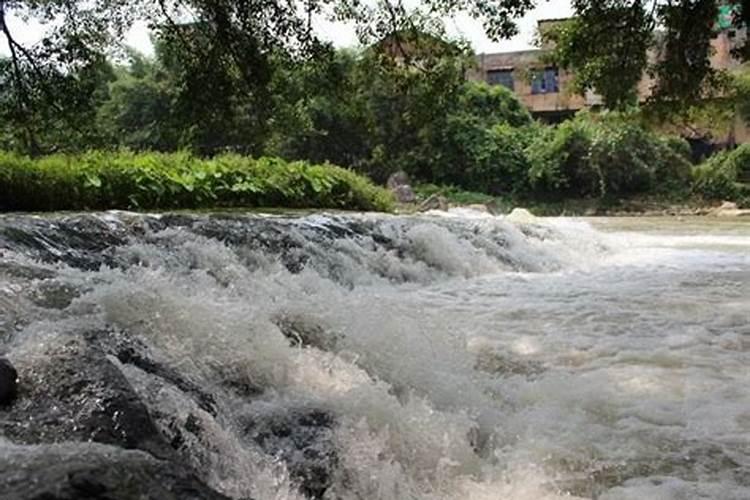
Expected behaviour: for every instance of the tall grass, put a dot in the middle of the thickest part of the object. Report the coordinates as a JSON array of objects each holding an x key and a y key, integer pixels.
[{"x": 125, "y": 180}]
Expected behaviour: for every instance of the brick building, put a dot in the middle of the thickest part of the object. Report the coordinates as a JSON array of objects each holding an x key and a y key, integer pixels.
[{"x": 544, "y": 88}]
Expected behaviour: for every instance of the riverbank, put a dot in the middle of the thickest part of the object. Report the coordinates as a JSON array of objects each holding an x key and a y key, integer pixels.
[
  {"x": 431, "y": 197},
  {"x": 143, "y": 181}
]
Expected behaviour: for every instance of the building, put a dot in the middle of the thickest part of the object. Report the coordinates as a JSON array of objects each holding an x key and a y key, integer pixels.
[{"x": 544, "y": 88}]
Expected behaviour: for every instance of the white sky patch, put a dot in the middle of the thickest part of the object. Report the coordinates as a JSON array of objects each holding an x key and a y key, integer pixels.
[{"x": 343, "y": 35}]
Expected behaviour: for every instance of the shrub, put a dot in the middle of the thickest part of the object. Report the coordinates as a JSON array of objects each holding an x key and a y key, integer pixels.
[
  {"x": 673, "y": 168},
  {"x": 609, "y": 154},
  {"x": 124, "y": 180},
  {"x": 559, "y": 159},
  {"x": 493, "y": 105},
  {"x": 718, "y": 177},
  {"x": 480, "y": 158}
]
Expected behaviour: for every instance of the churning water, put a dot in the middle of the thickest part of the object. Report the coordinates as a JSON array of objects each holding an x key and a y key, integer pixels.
[{"x": 444, "y": 356}]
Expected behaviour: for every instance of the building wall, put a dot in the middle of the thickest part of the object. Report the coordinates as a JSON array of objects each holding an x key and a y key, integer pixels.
[
  {"x": 564, "y": 101},
  {"x": 522, "y": 65}
]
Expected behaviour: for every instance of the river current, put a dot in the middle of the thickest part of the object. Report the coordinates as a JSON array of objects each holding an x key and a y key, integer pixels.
[{"x": 451, "y": 355}]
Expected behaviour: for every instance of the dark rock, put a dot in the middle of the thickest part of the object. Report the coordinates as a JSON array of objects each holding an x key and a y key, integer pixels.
[
  {"x": 397, "y": 179},
  {"x": 131, "y": 351},
  {"x": 74, "y": 471},
  {"x": 8, "y": 382},
  {"x": 496, "y": 363},
  {"x": 304, "y": 440},
  {"x": 302, "y": 332},
  {"x": 434, "y": 202},
  {"x": 404, "y": 194},
  {"x": 400, "y": 186},
  {"x": 52, "y": 294},
  {"x": 75, "y": 393},
  {"x": 84, "y": 241},
  {"x": 16, "y": 270}
]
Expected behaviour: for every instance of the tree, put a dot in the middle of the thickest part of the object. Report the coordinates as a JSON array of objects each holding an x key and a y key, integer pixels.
[
  {"x": 610, "y": 44},
  {"x": 223, "y": 47},
  {"x": 139, "y": 111}
]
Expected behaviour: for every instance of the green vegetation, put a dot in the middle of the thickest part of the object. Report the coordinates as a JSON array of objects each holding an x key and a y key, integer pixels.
[
  {"x": 725, "y": 176},
  {"x": 611, "y": 44},
  {"x": 604, "y": 155},
  {"x": 252, "y": 79},
  {"x": 127, "y": 180}
]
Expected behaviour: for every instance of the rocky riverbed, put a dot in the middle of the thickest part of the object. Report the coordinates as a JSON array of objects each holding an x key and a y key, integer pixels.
[{"x": 441, "y": 356}]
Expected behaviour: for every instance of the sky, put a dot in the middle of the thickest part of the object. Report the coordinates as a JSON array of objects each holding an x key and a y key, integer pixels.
[{"x": 343, "y": 35}]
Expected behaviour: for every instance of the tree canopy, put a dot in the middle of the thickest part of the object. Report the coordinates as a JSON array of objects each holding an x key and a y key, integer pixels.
[
  {"x": 610, "y": 44},
  {"x": 222, "y": 79},
  {"x": 221, "y": 50}
]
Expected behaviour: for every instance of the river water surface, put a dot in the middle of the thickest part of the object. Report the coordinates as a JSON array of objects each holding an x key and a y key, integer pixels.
[{"x": 453, "y": 355}]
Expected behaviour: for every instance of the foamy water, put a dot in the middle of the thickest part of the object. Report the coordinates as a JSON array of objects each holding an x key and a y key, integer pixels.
[{"x": 463, "y": 356}]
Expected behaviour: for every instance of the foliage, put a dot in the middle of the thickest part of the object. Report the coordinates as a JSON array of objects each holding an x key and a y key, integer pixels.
[
  {"x": 318, "y": 115},
  {"x": 711, "y": 119},
  {"x": 404, "y": 108},
  {"x": 493, "y": 104},
  {"x": 124, "y": 180},
  {"x": 606, "y": 39},
  {"x": 718, "y": 178},
  {"x": 741, "y": 87},
  {"x": 479, "y": 158},
  {"x": 220, "y": 53},
  {"x": 608, "y": 47},
  {"x": 453, "y": 194},
  {"x": 610, "y": 154},
  {"x": 138, "y": 113}
]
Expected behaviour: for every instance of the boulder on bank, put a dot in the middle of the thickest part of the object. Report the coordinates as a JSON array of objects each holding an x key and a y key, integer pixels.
[
  {"x": 729, "y": 209},
  {"x": 397, "y": 179},
  {"x": 8, "y": 382},
  {"x": 400, "y": 185},
  {"x": 404, "y": 194},
  {"x": 434, "y": 202}
]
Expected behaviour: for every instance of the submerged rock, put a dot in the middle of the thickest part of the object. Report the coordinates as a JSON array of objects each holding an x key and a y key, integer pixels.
[
  {"x": 73, "y": 392},
  {"x": 8, "y": 382},
  {"x": 304, "y": 440},
  {"x": 73, "y": 471},
  {"x": 302, "y": 332}
]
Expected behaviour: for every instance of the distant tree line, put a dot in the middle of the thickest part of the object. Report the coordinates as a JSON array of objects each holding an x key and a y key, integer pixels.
[{"x": 253, "y": 77}]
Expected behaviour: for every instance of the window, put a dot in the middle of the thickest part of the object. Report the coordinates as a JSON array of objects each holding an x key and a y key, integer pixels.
[
  {"x": 502, "y": 77},
  {"x": 545, "y": 81}
]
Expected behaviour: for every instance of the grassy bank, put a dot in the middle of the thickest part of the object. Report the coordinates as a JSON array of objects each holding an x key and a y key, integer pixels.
[{"x": 124, "y": 180}]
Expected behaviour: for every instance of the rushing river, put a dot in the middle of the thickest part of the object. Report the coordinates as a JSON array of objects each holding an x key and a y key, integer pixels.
[{"x": 443, "y": 356}]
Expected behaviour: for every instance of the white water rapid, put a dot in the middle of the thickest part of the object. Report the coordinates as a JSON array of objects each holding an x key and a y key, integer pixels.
[{"x": 443, "y": 356}]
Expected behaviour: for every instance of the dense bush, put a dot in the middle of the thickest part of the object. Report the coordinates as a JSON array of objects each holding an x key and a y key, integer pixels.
[
  {"x": 99, "y": 180},
  {"x": 718, "y": 177},
  {"x": 493, "y": 104},
  {"x": 480, "y": 144},
  {"x": 559, "y": 159},
  {"x": 605, "y": 155}
]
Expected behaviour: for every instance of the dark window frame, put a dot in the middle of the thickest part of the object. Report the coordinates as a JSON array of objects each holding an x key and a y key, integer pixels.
[
  {"x": 545, "y": 81},
  {"x": 508, "y": 82}
]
